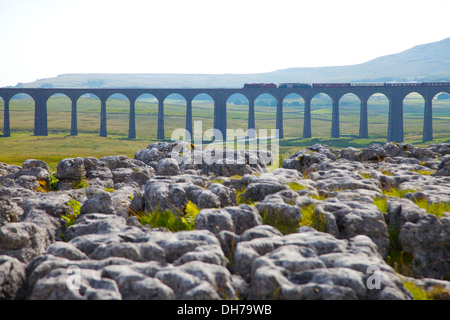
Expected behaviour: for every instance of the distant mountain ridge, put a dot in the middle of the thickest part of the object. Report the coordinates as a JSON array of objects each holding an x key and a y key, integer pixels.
[{"x": 426, "y": 62}]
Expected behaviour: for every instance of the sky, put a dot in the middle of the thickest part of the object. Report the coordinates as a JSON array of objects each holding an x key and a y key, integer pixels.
[{"x": 45, "y": 38}]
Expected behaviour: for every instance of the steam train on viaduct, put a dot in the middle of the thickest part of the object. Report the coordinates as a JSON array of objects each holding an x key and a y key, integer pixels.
[{"x": 347, "y": 85}]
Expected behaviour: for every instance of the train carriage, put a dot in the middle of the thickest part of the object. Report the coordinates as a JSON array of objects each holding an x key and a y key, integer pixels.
[
  {"x": 331, "y": 85},
  {"x": 367, "y": 84},
  {"x": 260, "y": 85},
  {"x": 294, "y": 85},
  {"x": 404, "y": 84},
  {"x": 436, "y": 84}
]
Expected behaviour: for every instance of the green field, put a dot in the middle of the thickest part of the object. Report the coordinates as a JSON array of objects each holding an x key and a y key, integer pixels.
[{"x": 59, "y": 144}]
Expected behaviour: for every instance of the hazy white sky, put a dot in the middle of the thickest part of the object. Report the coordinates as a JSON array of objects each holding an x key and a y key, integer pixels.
[{"x": 44, "y": 38}]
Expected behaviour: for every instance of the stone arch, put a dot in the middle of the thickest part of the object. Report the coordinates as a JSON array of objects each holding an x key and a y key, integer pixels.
[
  {"x": 174, "y": 113},
  {"x": 88, "y": 113},
  {"x": 202, "y": 113},
  {"x": 378, "y": 115},
  {"x": 117, "y": 109},
  {"x": 321, "y": 114},
  {"x": 146, "y": 110},
  {"x": 22, "y": 108},
  {"x": 293, "y": 114},
  {"x": 413, "y": 116},
  {"x": 349, "y": 114},
  {"x": 266, "y": 99},
  {"x": 443, "y": 95},
  {"x": 59, "y": 109}
]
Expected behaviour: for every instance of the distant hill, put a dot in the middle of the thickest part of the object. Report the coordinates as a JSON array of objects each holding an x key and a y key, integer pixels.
[{"x": 427, "y": 62}]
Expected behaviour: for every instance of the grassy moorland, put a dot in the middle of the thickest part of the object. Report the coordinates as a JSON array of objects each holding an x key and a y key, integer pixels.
[{"x": 59, "y": 144}]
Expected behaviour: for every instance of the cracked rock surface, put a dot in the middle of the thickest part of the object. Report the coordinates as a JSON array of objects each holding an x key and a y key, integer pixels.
[{"x": 350, "y": 213}]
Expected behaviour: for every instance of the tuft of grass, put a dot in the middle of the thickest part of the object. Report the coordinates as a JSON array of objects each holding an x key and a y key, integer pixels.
[
  {"x": 190, "y": 146},
  {"x": 398, "y": 259},
  {"x": 231, "y": 251},
  {"x": 43, "y": 186},
  {"x": 295, "y": 186},
  {"x": 396, "y": 192},
  {"x": 80, "y": 184},
  {"x": 424, "y": 172},
  {"x": 437, "y": 208},
  {"x": 365, "y": 175},
  {"x": 312, "y": 218},
  {"x": 319, "y": 197},
  {"x": 386, "y": 172},
  {"x": 282, "y": 157},
  {"x": 217, "y": 181},
  {"x": 53, "y": 181},
  {"x": 166, "y": 219},
  {"x": 419, "y": 293},
  {"x": 306, "y": 172},
  {"x": 72, "y": 217},
  {"x": 236, "y": 177},
  {"x": 285, "y": 226},
  {"x": 243, "y": 200},
  {"x": 163, "y": 219},
  {"x": 191, "y": 212},
  {"x": 111, "y": 190},
  {"x": 381, "y": 203}
]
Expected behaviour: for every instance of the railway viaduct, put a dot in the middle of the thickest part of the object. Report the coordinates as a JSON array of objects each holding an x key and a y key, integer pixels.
[{"x": 395, "y": 96}]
